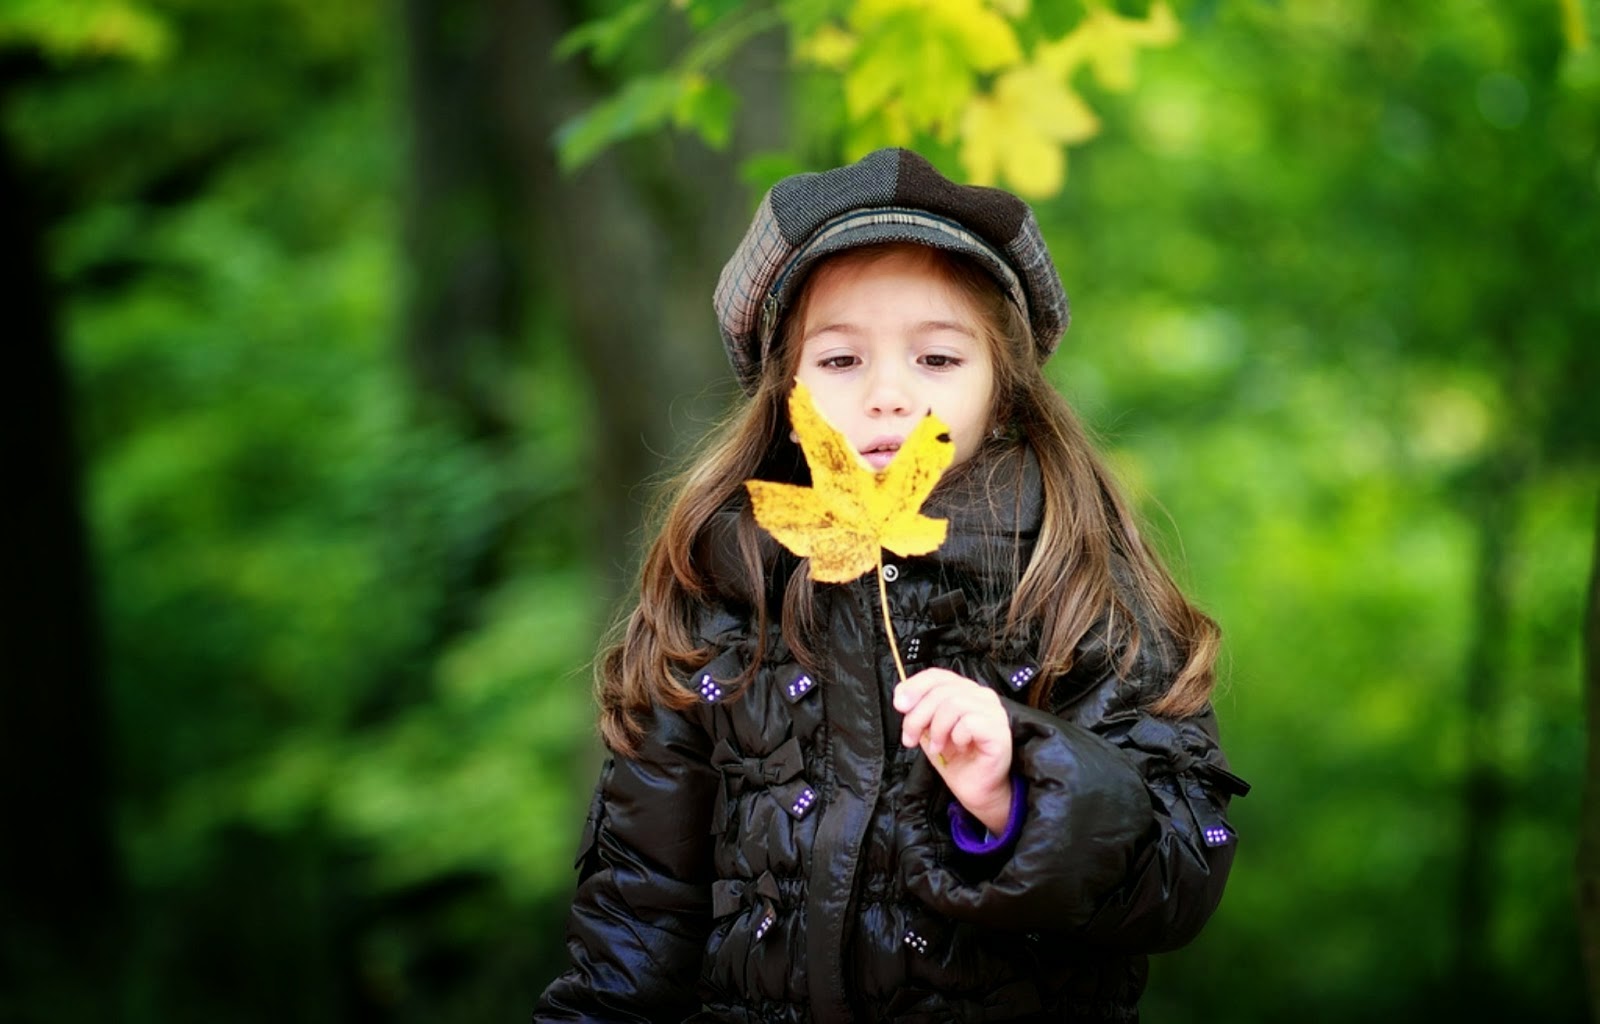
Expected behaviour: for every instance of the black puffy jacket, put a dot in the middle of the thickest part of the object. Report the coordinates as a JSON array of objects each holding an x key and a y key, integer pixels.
[{"x": 776, "y": 855}]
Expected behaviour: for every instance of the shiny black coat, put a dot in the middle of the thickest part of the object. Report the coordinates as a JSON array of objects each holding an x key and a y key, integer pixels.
[{"x": 776, "y": 855}]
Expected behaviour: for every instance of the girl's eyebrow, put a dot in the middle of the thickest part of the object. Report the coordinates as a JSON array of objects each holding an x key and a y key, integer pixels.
[
  {"x": 931, "y": 326},
  {"x": 838, "y": 328},
  {"x": 922, "y": 327}
]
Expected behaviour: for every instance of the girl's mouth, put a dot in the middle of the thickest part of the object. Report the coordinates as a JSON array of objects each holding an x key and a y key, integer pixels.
[{"x": 880, "y": 452}]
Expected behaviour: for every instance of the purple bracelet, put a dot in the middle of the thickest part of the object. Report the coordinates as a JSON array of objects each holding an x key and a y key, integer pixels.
[{"x": 970, "y": 834}]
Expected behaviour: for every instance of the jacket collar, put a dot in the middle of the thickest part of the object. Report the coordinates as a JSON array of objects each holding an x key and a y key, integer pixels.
[{"x": 995, "y": 506}]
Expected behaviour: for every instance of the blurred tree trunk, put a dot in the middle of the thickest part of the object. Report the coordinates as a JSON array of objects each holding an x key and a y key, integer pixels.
[
  {"x": 632, "y": 243},
  {"x": 464, "y": 290},
  {"x": 1589, "y": 826},
  {"x": 58, "y": 864}
]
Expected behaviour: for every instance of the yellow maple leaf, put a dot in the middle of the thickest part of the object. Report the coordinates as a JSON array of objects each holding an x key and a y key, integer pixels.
[
  {"x": 850, "y": 513},
  {"x": 1018, "y": 131}
]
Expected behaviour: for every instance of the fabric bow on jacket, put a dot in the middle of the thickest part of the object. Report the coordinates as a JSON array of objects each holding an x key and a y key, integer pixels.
[{"x": 778, "y": 772}]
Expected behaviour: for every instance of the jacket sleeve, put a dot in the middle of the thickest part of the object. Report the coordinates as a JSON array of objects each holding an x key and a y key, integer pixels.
[
  {"x": 636, "y": 933},
  {"x": 1124, "y": 842}
]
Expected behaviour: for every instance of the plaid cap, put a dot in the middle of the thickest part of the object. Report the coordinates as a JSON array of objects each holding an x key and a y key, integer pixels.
[{"x": 889, "y": 195}]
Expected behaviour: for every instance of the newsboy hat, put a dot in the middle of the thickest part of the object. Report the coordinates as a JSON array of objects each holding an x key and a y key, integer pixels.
[{"x": 889, "y": 195}]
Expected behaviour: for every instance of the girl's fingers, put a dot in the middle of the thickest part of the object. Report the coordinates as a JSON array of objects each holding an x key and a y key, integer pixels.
[
  {"x": 917, "y": 719},
  {"x": 981, "y": 725},
  {"x": 917, "y": 686},
  {"x": 950, "y": 711},
  {"x": 935, "y": 700},
  {"x": 908, "y": 693}
]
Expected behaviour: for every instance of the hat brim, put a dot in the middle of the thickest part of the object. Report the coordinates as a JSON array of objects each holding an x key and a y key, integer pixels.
[{"x": 876, "y": 226}]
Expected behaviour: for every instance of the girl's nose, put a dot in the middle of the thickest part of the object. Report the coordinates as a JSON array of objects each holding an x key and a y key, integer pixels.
[{"x": 888, "y": 395}]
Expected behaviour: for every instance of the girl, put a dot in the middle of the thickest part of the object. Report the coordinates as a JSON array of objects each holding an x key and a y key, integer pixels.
[{"x": 788, "y": 832}]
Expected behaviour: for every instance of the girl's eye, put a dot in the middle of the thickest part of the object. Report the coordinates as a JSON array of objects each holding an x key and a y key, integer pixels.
[
  {"x": 940, "y": 361},
  {"x": 842, "y": 362}
]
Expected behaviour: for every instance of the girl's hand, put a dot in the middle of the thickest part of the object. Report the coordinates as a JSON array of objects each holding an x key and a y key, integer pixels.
[{"x": 963, "y": 728}]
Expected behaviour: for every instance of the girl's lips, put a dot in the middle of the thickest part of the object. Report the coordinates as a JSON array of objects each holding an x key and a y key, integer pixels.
[{"x": 880, "y": 451}]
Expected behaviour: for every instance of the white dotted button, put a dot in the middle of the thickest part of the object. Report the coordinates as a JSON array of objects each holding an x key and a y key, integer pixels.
[
  {"x": 799, "y": 687},
  {"x": 709, "y": 690}
]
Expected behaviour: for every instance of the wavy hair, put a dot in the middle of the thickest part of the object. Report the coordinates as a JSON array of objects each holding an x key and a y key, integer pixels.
[{"x": 1066, "y": 590}]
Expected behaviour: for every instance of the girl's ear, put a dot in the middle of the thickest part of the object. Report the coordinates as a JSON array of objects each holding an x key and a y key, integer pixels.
[{"x": 794, "y": 435}]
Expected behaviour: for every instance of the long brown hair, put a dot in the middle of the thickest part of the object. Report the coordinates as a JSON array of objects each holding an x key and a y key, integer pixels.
[{"x": 1066, "y": 589}]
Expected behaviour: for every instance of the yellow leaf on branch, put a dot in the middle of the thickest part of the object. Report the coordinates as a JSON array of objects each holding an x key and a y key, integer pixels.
[
  {"x": 829, "y": 47},
  {"x": 925, "y": 55},
  {"x": 984, "y": 38},
  {"x": 1017, "y": 132},
  {"x": 850, "y": 513},
  {"x": 1108, "y": 43}
]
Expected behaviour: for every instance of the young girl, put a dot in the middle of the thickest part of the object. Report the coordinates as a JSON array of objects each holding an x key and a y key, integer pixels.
[{"x": 786, "y": 831}]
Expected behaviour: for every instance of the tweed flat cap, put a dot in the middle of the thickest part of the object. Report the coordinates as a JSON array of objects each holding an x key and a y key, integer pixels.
[{"x": 889, "y": 195}]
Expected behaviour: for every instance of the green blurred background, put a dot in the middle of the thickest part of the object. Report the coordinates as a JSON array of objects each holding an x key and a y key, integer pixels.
[{"x": 341, "y": 399}]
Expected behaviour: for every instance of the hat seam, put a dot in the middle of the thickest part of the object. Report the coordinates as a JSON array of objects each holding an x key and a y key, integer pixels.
[
  {"x": 914, "y": 216},
  {"x": 766, "y": 325}
]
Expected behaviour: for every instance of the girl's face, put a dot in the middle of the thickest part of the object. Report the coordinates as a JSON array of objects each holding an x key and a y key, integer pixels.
[{"x": 885, "y": 339}]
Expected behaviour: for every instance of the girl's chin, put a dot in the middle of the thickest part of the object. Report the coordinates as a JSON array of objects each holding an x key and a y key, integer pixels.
[{"x": 878, "y": 460}]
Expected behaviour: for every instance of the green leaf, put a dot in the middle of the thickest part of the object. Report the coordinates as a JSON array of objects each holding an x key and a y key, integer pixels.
[
  {"x": 764, "y": 170},
  {"x": 88, "y": 28},
  {"x": 706, "y": 108},
  {"x": 643, "y": 104},
  {"x": 705, "y": 13},
  {"x": 605, "y": 38},
  {"x": 1056, "y": 19},
  {"x": 717, "y": 44}
]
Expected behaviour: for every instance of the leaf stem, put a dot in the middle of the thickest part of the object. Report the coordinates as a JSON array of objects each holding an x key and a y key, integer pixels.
[{"x": 888, "y": 626}]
